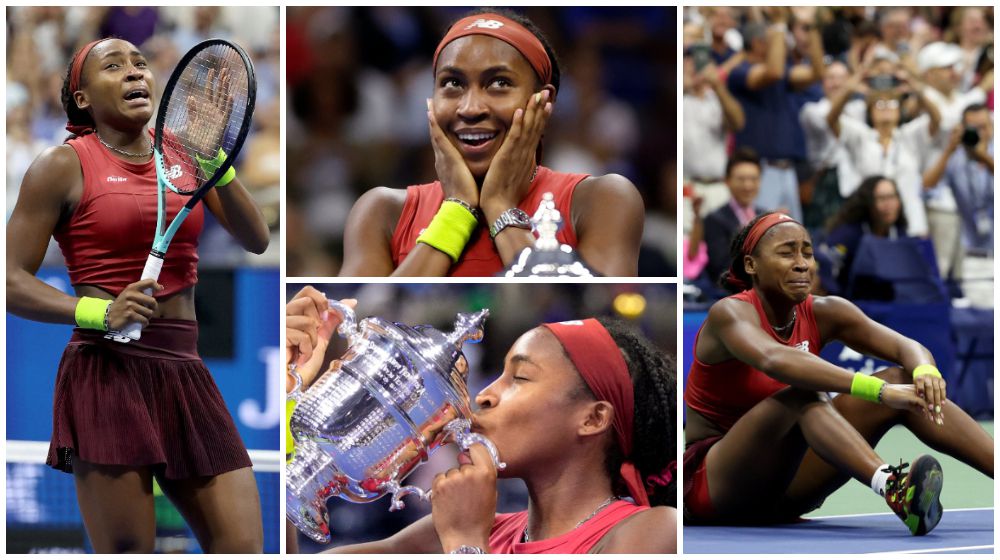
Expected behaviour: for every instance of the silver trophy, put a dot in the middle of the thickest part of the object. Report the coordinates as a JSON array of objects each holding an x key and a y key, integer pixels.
[
  {"x": 396, "y": 395},
  {"x": 547, "y": 257}
]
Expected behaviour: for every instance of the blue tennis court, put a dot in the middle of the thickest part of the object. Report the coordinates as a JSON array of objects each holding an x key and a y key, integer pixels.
[{"x": 960, "y": 531}]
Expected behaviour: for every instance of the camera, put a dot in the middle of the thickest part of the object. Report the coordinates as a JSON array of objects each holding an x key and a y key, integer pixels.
[
  {"x": 883, "y": 82},
  {"x": 970, "y": 138}
]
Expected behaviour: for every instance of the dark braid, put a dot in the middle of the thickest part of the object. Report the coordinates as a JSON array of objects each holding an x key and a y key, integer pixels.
[
  {"x": 739, "y": 281},
  {"x": 74, "y": 114},
  {"x": 530, "y": 26},
  {"x": 654, "y": 430}
]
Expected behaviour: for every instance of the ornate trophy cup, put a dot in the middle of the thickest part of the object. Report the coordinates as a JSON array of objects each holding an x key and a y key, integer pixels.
[
  {"x": 397, "y": 394},
  {"x": 547, "y": 257}
]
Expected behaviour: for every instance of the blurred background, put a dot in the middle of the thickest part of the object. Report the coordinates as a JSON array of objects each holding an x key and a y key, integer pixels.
[
  {"x": 356, "y": 117},
  {"x": 238, "y": 294},
  {"x": 514, "y": 310}
]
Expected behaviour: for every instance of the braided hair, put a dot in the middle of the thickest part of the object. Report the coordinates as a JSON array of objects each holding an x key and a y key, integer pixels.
[
  {"x": 736, "y": 279},
  {"x": 654, "y": 430},
  {"x": 74, "y": 114},
  {"x": 530, "y": 26}
]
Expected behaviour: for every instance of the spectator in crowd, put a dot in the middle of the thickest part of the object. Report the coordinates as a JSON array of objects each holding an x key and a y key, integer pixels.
[
  {"x": 721, "y": 24},
  {"x": 966, "y": 167},
  {"x": 743, "y": 177},
  {"x": 833, "y": 177},
  {"x": 766, "y": 84},
  {"x": 971, "y": 30},
  {"x": 710, "y": 114},
  {"x": 886, "y": 146},
  {"x": 875, "y": 209}
]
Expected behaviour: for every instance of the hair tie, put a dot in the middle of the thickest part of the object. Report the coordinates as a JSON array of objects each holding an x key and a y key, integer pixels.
[{"x": 663, "y": 478}]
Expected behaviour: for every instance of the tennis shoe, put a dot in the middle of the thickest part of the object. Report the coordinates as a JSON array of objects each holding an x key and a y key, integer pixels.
[{"x": 915, "y": 497}]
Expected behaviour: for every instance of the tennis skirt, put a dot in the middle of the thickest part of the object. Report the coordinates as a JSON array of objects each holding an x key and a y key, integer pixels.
[{"x": 148, "y": 403}]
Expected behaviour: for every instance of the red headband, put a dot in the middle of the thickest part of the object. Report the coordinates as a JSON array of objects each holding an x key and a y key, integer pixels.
[
  {"x": 74, "y": 82},
  {"x": 760, "y": 228},
  {"x": 508, "y": 31},
  {"x": 601, "y": 365}
]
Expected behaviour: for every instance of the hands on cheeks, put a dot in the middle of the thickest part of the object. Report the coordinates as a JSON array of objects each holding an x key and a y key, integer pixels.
[
  {"x": 456, "y": 179},
  {"x": 509, "y": 178},
  {"x": 309, "y": 325},
  {"x": 464, "y": 502}
]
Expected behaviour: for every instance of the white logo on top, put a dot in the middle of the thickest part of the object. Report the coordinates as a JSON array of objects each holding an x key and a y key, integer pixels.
[
  {"x": 116, "y": 179},
  {"x": 804, "y": 346},
  {"x": 485, "y": 24},
  {"x": 174, "y": 172},
  {"x": 572, "y": 323}
]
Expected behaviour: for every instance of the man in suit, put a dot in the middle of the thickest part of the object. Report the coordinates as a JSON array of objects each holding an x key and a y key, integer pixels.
[{"x": 743, "y": 180}]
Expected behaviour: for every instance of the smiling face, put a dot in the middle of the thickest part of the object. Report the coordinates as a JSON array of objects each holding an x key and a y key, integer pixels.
[
  {"x": 534, "y": 411},
  {"x": 116, "y": 84},
  {"x": 744, "y": 183},
  {"x": 783, "y": 262},
  {"x": 479, "y": 82}
]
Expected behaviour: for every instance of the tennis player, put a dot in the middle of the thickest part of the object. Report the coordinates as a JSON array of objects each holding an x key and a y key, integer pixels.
[
  {"x": 126, "y": 413},
  {"x": 583, "y": 413},
  {"x": 496, "y": 80},
  {"x": 765, "y": 443}
]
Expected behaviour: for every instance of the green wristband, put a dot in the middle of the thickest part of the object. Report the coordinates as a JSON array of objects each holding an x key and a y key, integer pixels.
[
  {"x": 209, "y": 166},
  {"x": 92, "y": 313},
  {"x": 450, "y": 229},
  {"x": 289, "y": 440},
  {"x": 866, "y": 387},
  {"x": 926, "y": 369}
]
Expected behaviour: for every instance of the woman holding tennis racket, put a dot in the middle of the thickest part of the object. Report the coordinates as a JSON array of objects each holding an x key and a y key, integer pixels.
[
  {"x": 496, "y": 80},
  {"x": 583, "y": 412},
  {"x": 765, "y": 442},
  {"x": 126, "y": 413}
]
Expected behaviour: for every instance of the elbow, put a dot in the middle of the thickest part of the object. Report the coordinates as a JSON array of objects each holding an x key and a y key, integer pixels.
[{"x": 258, "y": 243}]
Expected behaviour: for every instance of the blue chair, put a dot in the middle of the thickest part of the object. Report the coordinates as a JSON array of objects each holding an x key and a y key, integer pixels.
[{"x": 899, "y": 270}]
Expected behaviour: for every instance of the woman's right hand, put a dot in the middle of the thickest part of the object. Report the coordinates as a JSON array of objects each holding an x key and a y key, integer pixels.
[
  {"x": 133, "y": 305},
  {"x": 309, "y": 325},
  {"x": 906, "y": 397},
  {"x": 456, "y": 179}
]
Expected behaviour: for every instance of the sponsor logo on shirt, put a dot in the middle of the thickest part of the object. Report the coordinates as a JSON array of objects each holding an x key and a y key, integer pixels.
[
  {"x": 804, "y": 346},
  {"x": 174, "y": 172},
  {"x": 485, "y": 24},
  {"x": 116, "y": 179}
]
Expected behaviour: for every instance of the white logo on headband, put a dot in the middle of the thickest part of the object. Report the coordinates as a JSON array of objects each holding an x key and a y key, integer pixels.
[
  {"x": 485, "y": 24},
  {"x": 572, "y": 323}
]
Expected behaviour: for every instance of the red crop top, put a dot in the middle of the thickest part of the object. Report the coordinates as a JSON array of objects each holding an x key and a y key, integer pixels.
[
  {"x": 480, "y": 257},
  {"x": 107, "y": 239},
  {"x": 725, "y": 391}
]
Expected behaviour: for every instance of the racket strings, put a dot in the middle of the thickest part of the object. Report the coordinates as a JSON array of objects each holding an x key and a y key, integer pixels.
[{"x": 206, "y": 108}]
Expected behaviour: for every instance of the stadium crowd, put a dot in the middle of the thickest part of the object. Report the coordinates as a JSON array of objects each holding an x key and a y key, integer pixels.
[{"x": 863, "y": 123}]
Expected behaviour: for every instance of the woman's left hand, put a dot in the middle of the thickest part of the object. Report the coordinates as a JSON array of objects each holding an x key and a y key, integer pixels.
[
  {"x": 210, "y": 113},
  {"x": 464, "y": 502},
  {"x": 932, "y": 389},
  {"x": 509, "y": 178}
]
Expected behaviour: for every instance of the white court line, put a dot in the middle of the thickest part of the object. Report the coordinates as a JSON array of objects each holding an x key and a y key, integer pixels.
[
  {"x": 949, "y": 549},
  {"x": 891, "y": 513}
]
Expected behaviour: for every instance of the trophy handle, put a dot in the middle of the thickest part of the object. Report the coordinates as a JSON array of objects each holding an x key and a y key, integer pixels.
[
  {"x": 349, "y": 326},
  {"x": 458, "y": 429}
]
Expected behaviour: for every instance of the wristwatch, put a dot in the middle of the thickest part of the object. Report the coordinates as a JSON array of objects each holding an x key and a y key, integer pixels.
[
  {"x": 467, "y": 549},
  {"x": 514, "y": 217}
]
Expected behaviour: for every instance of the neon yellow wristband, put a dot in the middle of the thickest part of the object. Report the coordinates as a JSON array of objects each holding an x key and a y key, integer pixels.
[
  {"x": 926, "y": 369},
  {"x": 92, "y": 313},
  {"x": 289, "y": 440},
  {"x": 450, "y": 229},
  {"x": 209, "y": 166},
  {"x": 866, "y": 387}
]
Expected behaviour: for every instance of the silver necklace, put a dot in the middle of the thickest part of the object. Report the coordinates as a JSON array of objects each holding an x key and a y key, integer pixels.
[
  {"x": 527, "y": 538},
  {"x": 123, "y": 152},
  {"x": 786, "y": 327}
]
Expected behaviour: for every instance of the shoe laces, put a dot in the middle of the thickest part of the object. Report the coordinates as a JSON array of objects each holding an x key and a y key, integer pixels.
[{"x": 896, "y": 476}]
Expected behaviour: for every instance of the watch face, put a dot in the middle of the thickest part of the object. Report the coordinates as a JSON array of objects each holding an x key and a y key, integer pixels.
[{"x": 519, "y": 215}]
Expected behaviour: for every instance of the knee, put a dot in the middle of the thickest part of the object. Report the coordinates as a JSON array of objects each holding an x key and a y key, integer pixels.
[
  {"x": 243, "y": 543},
  {"x": 130, "y": 544},
  {"x": 894, "y": 374}
]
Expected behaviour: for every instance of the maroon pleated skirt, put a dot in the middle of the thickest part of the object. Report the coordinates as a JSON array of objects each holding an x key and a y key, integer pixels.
[{"x": 148, "y": 403}]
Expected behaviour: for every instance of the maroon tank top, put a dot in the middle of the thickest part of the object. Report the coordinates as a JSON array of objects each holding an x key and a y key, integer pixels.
[
  {"x": 508, "y": 530},
  {"x": 725, "y": 391},
  {"x": 107, "y": 239},
  {"x": 480, "y": 257}
]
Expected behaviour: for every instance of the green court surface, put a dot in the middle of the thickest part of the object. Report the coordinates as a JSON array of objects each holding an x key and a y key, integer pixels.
[{"x": 964, "y": 487}]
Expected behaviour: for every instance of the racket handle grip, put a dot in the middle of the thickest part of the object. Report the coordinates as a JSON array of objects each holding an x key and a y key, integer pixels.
[{"x": 154, "y": 263}]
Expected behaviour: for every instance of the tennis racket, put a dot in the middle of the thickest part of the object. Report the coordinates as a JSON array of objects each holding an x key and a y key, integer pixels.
[{"x": 202, "y": 121}]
